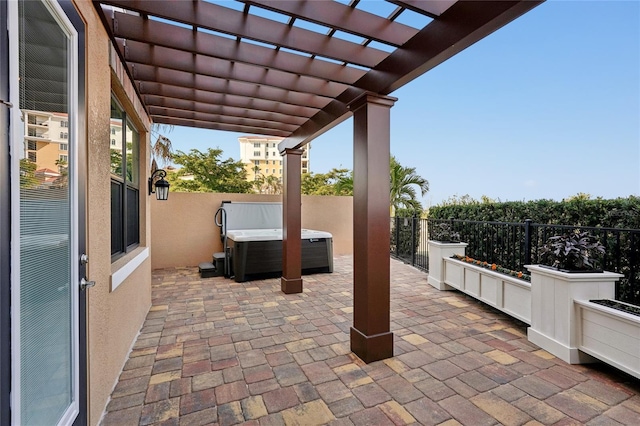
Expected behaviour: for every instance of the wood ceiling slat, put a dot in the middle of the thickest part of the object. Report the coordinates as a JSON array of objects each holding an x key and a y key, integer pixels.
[
  {"x": 229, "y": 21},
  {"x": 140, "y": 53},
  {"x": 216, "y": 118},
  {"x": 223, "y": 110},
  {"x": 459, "y": 27},
  {"x": 431, "y": 8},
  {"x": 136, "y": 28},
  {"x": 344, "y": 18},
  {"x": 172, "y": 121},
  {"x": 225, "y": 99},
  {"x": 212, "y": 84}
]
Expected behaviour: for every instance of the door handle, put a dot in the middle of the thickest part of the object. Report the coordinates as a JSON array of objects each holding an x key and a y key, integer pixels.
[{"x": 84, "y": 284}]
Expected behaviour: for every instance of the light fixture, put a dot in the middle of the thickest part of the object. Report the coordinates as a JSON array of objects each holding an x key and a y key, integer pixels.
[{"x": 162, "y": 186}]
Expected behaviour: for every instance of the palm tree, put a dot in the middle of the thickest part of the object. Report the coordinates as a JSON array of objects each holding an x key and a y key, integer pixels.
[
  {"x": 344, "y": 185},
  {"x": 404, "y": 181},
  {"x": 161, "y": 149}
]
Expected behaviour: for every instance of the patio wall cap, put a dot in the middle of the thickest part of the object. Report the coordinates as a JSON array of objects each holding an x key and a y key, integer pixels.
[
  {"x": 575, "y": 276},
  {"x": 615, "y": 313},
  {"x": 447, "y": 244}
]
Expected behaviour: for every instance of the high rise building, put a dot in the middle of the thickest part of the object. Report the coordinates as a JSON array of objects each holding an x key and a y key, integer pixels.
[{"x": 261, "y": 157}]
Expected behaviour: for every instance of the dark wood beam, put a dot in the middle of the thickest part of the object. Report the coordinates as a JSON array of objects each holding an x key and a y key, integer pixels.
[
  {"x": 222, "y": 119},
  {"x": 137, "y": 28},
  {"x": 221, "y": 110},
  {"x": 219, "y": 85},
  {"x": 224, "y": 20},
  {"x": 344, "y": 18},
  {"x": 432, "y": 9},
  {"x": 140, "y": 53},
  {"x": 225, "y": 99},
  {"x": 172, "y": 121},
  {"x": 459, "y": 27}
]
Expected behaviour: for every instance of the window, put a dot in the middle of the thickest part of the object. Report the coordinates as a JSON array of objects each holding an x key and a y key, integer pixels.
[
  {"x": 266, "y": 153},
  {"x": 64, "y": 124},
  {"x": 63, "y": 158},
  {"x": 32, "y": 157},
  {"x": 64, "y": 135},
  {"x": 32, "y": 146},
  {"x": 256, "y": 162},
  {"x": 281, "y": 162},
  {"x": 256, "y": 144},
  {"x": 256, "y": 153},
  {"x": 280, "y": 171},
  {"x": 273, "y": 171},
  {"x": 64, "y": 147},
  {"x": 113, "y": 130},
  {"x": 125, "y": 185}
]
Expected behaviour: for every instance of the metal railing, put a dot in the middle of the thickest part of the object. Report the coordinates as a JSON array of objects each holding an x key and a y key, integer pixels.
[
  {"x": 513, "y": 245},
  {"x": 409, "y": 241}
]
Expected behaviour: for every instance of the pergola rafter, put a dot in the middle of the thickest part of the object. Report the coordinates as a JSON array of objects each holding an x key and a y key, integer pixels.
[{"x": 274, "y": 69}]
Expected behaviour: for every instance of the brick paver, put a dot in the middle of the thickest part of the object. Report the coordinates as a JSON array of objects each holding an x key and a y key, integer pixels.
[{"x": 213, "y": 351}]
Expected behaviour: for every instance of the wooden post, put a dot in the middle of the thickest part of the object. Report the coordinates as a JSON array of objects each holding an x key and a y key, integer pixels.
[
  {"x": 371, "y": 339},
  {"x": 291, "y": 281}
]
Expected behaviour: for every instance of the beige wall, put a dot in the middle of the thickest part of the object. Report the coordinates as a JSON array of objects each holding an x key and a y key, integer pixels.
[
  {"x": 113, "y": 318},
  {"x": 183, "y": 232}
]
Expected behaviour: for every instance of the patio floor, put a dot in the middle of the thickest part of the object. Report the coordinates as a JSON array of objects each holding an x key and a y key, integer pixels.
[{"x": 213, "y": 351}]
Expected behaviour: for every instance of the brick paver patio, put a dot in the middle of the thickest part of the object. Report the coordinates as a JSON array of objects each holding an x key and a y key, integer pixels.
[{"x": 213, "y": 351}]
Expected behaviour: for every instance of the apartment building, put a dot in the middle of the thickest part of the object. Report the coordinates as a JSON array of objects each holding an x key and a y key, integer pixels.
[
  {"x": 46, "y": 144},
  {"x": 261, "y": 157}
]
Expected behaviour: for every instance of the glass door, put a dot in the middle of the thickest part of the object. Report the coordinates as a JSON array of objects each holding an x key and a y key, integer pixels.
[{"x": 45, "y": 215}]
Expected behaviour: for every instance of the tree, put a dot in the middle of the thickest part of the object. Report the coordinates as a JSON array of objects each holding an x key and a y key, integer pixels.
[
  {"x": 28, "y": 177},
  {"x": 161, "y": 149},
  {"x": 205, "y": 172},
  {"x": 326, "y": 183},
  {"x": 404, "y": 181}
]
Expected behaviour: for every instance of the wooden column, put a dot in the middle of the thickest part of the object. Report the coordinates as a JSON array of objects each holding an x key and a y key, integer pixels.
[
  {"x": 291, "y": 281},
  {"x": 371, "y": 339}
]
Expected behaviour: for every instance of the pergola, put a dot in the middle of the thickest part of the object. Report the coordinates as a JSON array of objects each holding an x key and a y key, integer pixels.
[{"x": 295, "y": 69}]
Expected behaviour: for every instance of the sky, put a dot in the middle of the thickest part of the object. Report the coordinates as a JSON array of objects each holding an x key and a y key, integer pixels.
[{"x": 546, "y": 107}]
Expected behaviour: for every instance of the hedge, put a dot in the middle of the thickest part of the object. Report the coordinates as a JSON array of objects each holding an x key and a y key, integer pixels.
[{"x": 615, "y": 213}]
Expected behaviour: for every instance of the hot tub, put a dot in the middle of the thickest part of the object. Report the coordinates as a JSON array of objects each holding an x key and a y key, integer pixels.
[{"x": 259, "y": 251}]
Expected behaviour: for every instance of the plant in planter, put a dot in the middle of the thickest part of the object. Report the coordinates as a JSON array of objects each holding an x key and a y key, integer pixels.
[
  {"x": 572, "y": 252},
  {"x": 444, "y": 232}
]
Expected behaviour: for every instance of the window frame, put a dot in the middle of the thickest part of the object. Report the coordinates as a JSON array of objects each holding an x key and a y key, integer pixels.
[{"x": 125, "y": 184}]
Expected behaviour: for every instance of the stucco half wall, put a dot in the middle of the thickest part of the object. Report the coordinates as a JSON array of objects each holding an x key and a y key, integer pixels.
[{"x": 183, "y": 231}]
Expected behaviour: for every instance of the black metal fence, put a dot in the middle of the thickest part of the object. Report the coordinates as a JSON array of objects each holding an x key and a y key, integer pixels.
[
  {"x": 513, "y": 245},
  {"x": 409, "y": 241}
]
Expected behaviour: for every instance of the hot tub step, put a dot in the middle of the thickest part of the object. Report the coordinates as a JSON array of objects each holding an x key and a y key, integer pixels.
[{"x": 208, "y": 270}]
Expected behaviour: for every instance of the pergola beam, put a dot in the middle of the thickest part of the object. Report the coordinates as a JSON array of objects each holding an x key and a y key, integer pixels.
[
  {"x": 221, "y": 110},
  {"x": 137, "y": 28},
  {"x": 344, "y": 18},
  {"x": 432, "y": 9},
  {"x": 460, "y": 26},
  {"x": 172, "y": 121},
  {"x": 246, "y": 102},
  {"x": 229, "y": 21},
  {"x": 212, "y": 84},
  {"x": 162, "y": 57}
]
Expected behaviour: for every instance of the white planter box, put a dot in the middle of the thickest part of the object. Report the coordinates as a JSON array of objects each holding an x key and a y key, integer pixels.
[
  {"x": 439, "y": 251},
  {"x": 554, "y": 319},
  {"x": 610, "y": 335},
  {"x": 508, "y": 294}
]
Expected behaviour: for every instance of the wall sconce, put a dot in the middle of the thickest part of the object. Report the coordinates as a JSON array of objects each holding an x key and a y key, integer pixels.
[{"x": 162, "y": 186}]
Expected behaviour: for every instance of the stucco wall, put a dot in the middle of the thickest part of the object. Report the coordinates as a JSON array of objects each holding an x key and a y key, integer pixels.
[
  {"x": 183, "y": 232},
  {"x": 113, "y": 318}
]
